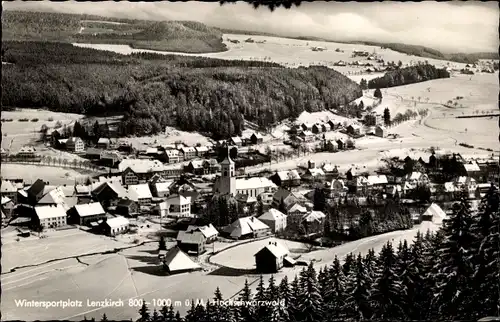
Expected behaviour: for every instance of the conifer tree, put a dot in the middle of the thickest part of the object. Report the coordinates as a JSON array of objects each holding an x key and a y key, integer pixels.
[
  {"x": 432, "y": 244},
  {"x": 210, "y": 312},
  {"x": 272, "y": 294},
  {"x": 295, "y": 297},
  {"x": 455, "y": 267},
  {"x": 104, "y": 318},
  {"x": 335, "y": 295},
  {"x": 143, "y": 311},
  {"x": 370, "y": 262},
  {"x": 356, "y": 305},
  {"x": 284, "y": 297},
  {"x": 486, "y": 256},
  {"x": 416, "y": 297},
  {"x": 387, "y": 289},
  {"x": 349, "y": 264},
  {"x": 155, "y": 317},
  {"x": 190, "y": 314},
  {"x": 311, "y": 304},
  {"x": 262, "y": 313},
  {"x": 403, "y": 259},
  {"x": 244, "y": 312},
  {"x": 178, "y": 317},
  {"x": 161, "y": 244}
]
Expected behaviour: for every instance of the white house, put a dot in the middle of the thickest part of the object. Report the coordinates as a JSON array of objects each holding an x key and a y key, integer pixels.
[
  {"x": 247, "y": 227},
  {"x": 140, "y": 193},
  {"x": 117, "y": 225},
  {"x": 51, "y": 216},
  {"x": 253, "y": 187},
  {"x": 275, "y": 219},
  {"x": 75, "y": 144},
  {"x": 208, "y": 231},
  {"x": 416, "y": 178},
  {"x": 179, "y": 206}
]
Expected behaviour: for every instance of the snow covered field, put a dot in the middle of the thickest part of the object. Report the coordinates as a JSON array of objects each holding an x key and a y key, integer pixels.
[
  {"x": 134, "y": 274},
  {"x": 54, "y": 175}
]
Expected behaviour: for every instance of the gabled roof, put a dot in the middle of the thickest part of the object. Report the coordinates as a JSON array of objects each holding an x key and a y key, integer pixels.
[
  {"x": 125, "y": 202},
  {"x": 191, "y": 237},
  {"x": 117, "y": 222},
  {"x": 281, "y": 193},
  {"x": 288, "y": 175},
  {"x": 315, "y": 172},
  {"x": 172, "y": 153},
  {"x": 36, "y": 187},
  {"x": 257, "y": 135},
  {"x": 140, "y": 165},
  {"x": 471, "y": 167},
  {"x": 340, "y": 181},
  {"x": 196, "y": 164},
  {"x": 177, "y": 260},
  {"x": 7, "y": 187},
  {"x": 254, "y": 183},
  {"x": 307, "y": 133},
  {"x": 83, "y": 189},
  {"x": 272, "y": 214},
  {"x": 275, "y": 248},
  {"x": 244, "y": 226},
  {"x": 163, "y": 186},
  {"x": 27, "y": 149},
  {"x": 297, "y": 208},
  {"x": 414, "y": 176},
  {"x": 72, "y": 140},
  {"x": 89, "y": 209},
  {"x": 328, "y": 167},
  {"x": 55, "y": 196},
  {"x": 436, "y": 213},
  {"x": 178, "y": 200},
  {"x": 114, "y": 186},
  {"x": 43, "y": 212},
  {"x": 5, "y": 200},
  {"x": 314, "y": 216},
  {"x": 187, "y": 149},
  {"x": 207, "y": 231},
  {"x": 104, "y": 141},
  {"x": 201, "y": 149},
  {"x": 139, "y": 191}
]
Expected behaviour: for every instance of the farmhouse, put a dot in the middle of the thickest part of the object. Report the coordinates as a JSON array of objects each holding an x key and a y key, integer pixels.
[
  {"x": 354, "y": 129},
  {"x": 75, "y": 144},
  {"x": 286, "y": 178},
  {"x": 247, "y": 227},
  {"x": 211, "y": 166},
  {"x": 192, "y": 241},
  {"x": 195, "y": 167},
  {"x": 331, "y": 146},
  {"x": 314, "y": 174},
  {"x": 325, "y": 127},
  {"x": 471, "y": 169},
  {"x": 306, "y": 127},
  {"x": 376, "y": 181},
  {"x": 270, "y": 258},
  {"x": 317, "y": 128},
  {"x": 109, "y": 193},
  {"x": 275, "y": 219},
  {"x": 111, "y": 157},
  {"x": 179, "y": 206},
  {"x": 103, "y": 143},
  {"x": 341, "y": 143},
  {"x": 127, "y": 207},
  {"x": 175, "y": 261},
  {"x": 93, "y": 153},
  {"x": 338, "y": 187},
  {"x": 136, "y": 171},
  {"x": 140, "y": 193},
  {"x": 188, "y": 153},
  {"x": 380, "y": 131},
  {"x": 208, "y": 231},
  {"x": 50, "y": 216},
  {"x": 86, "y": 213},
  {"x": 313, "y": 222},
  {"x": 159, "y": 187},
  {"x": 116, "y": 226},
  {"x": 54, "y": 197},
  {"x": 35, "y": 192}
]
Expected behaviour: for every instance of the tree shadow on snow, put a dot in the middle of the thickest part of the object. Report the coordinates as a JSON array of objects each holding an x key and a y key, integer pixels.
[
  {"x": 228, "y": 271},
  {"x": 151, "y": 251}
]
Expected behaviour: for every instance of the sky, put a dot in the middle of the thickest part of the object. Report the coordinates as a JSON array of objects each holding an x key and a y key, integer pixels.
[{"x": 453, "y": 26}]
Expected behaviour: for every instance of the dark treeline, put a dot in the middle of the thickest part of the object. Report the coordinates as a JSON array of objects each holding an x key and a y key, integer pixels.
[
  {"x": 408, "y": 75},
  {"x": 213, "y": 98},
  {"x": 450, "y": 274}
]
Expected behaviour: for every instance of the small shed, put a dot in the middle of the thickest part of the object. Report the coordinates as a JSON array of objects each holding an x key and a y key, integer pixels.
[
  {"x": 176, "y": 261},
  {"x": 270, "y": 258}
]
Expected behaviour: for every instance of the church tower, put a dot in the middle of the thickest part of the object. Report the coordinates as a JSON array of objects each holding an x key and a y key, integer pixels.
[{"x": 227, "y": 183}]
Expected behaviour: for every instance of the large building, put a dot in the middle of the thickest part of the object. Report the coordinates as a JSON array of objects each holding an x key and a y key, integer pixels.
[
  {"x": 50, "y": 216},
  {"x": 75, "y": 144},
  {"x": 275, "y": 219},
  {"x": 179, "y": 206},
  {"x": 84, "y": 214}
]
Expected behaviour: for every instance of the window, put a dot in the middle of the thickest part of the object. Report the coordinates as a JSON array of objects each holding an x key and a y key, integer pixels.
[{"x": 225, "y": 173}]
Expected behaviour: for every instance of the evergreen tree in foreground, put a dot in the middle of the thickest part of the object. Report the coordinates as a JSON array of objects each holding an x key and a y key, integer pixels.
[
  {"x": 143, "y": 311},
  {"x": 311, "y": 303},
  {"x": 356, "y": 305},
  {"x": 335, "y": 294},
  {"x": 455, "y": 268}
]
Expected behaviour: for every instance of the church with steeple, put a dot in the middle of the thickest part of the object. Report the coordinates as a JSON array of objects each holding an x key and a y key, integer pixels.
[{"x": 226, "y": 185}]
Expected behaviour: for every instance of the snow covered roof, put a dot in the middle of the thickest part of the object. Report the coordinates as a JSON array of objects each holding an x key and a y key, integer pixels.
[
  {"x": 27, "y": 149},
  {"x": 187, "y": 149},
  {"x": 328, "y": 167},
  {"x": 244, "y": 226},
  {"x": 315, "y": 172},
  {"x": 236, "y": 139},
  {"x": 103, "y": 141},
  {"x": 172, "y": 153},
  {"x": 83, "y": 189},
  {"x": 471, "y": 167},
  {"x": 297, "y": 208},
  {"x": 207, "y": 231},
  {"x": 339, "y": 182},
  {"x": 5, "y": 200},
  {"x": 308, "y": 133},
  {"x": 436, "y": 213},
  {"x": 7, "y": 187},
  {"x": 140, "y": 165},
  {"x": 449, "y": 187},
  {"x": 277, "y": 249},
  {"x": 414, "y": 176},
  {"x": 190, "y": 237},
  {"x": 164, "y": 186},
  {"x": 44, "y": 212},
  {"x": 288, "y": 175},
  {"x": 89, "y": 209},
  {"x": 117, "y": 222},
  {"x": 254, "y": 183},
  {"x": 201, "y": 149},
  {"x": 314, "y": 216},
  {"x": 272, "y": 214},
  {"x": 55, "y": 196},
  {"x": 377, "y": 179},
  {"x": 197, "y": 164},
  {"x": 139, "y": 191},
  {"x": 177, "y": 260}
]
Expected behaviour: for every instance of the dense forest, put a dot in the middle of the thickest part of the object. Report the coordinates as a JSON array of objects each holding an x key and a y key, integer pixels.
[
  {"x": 179, "y": 36},
  {"x": 194, "y": 94},
  {"x": 408, "y": 75},
  {"x": 451, "y": 274}
]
